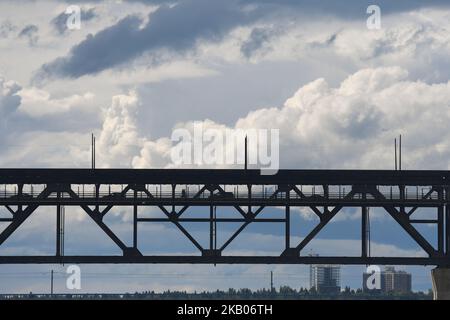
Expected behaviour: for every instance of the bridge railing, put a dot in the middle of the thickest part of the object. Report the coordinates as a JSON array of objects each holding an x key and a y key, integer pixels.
[{"x": 191, "y": 194}]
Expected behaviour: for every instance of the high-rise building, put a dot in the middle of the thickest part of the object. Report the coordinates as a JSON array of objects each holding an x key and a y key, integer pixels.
[
  {"x": 397, "y": 281},
  {"x": 325, "y": 278},
  {"x": 391, "y": 280}
]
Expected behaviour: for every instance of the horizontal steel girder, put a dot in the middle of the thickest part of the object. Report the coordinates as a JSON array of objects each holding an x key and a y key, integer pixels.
[
  {"x": 223, "y": 176},
  {"x": 224, "y": 260}
]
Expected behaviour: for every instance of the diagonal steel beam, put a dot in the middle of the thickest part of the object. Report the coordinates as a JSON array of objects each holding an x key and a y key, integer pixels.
[
  {"x": 21, "y": 216},
  {"x": 403, "y": 220},
  {"x": 245, "y": 224},
  {"x": 149, "y": 194},
  {"x": 97, "y": 218},
  {"x": 106, "y": 210},
  {"x": 325, "y": 218},
  {"x": 188, "y": 235},
  {"x": 273, "y": 195},
  {"x": 242, "y": 212},
  {"x": 235, "y": 234},
  {"x": 109, "y": 207},
  {"x": 425, "y": 196},
  {"x": 194, "y": 197},
  {"x": 10, "y": 210},
  {"x": 176, "y": 223},
  {"x": 302, "y": 196}
]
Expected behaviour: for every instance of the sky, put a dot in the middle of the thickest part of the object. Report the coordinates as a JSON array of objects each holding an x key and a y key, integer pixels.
[{"x": 338, "y": 91}]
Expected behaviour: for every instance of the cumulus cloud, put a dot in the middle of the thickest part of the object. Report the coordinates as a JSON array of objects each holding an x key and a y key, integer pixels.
[
  {"x": 119, "y": 139},
  {"x": 9, "y": 98},
  {"x": 31, "y": 117},
  {"x": 353, "y": 125},
  {"x": 348, "y": 126},
  {"x": 9, "y": 103},
  {"x": 38, "y": 103}
]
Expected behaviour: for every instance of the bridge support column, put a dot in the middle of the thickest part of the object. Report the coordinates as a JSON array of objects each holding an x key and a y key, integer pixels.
[{"x": 440, "y": 277}]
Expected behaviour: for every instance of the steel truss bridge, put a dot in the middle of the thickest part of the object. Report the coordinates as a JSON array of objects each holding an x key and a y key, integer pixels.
[{"x": 250, "y": 194}]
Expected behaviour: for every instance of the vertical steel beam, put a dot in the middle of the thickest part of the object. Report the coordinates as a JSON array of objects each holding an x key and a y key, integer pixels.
[
  {"x": 19, "y": 193},
  {"x": 402, "y": 198},
  {"x": 440, "y": 229},
  {"x": 215, "y": 228},
  {"x": 363, "y": 231},
  {"x": 211, "y": 226},
  {"x": 326, "y": 195},
  {"x": 447, "y": 221},
  {"x": 211, "y": 220},
  {"x": 97, "y": 196},
  {"x": 249, "y": 187},
  {"x": 440, "y": 222},
  {"x": 173, "y": 198},
  {"x": 447, "y": 229},
  {"x": 135, "y": 219},
  {"x": 288, "y": 220},
  {"x": 58, "y": 225}
]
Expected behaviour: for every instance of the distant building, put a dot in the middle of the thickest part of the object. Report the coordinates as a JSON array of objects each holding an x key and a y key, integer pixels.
[
  {"x": 325, "y": 278},
  {"x": 391, "y": 280},
  {"x": 397, "y": 281}
]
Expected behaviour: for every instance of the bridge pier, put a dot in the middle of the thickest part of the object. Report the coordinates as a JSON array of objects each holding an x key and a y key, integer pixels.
[{"x": 440, "y": 277}]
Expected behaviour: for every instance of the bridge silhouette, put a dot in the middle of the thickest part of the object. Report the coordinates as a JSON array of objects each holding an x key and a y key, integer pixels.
[{"x": 250, "y": 194}]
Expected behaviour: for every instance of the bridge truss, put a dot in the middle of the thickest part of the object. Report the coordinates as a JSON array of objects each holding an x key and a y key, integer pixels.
[{"x": 174, "y": 191}]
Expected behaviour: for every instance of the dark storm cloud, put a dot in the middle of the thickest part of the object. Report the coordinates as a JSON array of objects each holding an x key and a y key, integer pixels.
[
  {"x": 350, "y": 8},
  {"x": 175, "y": 28},
  {"x": 178, "y": 28},
  {"x": 60, "y": 21},
  {"x": 347, "y": 8}
]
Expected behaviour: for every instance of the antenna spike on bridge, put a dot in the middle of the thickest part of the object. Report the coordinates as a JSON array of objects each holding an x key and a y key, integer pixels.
[
  {"x": 92, "y": 151},
  {"x": 395, "y": 153},
  {"x": 245, "y": 148},
  {"x": 400, "y": 154}
]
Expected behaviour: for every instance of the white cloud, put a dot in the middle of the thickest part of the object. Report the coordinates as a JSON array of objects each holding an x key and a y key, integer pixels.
[
  {"x": 348, "y": 126},
  {"x": 39, "y": 103},
  {"x": 353, "y": 125},
  {"x": 9, "y": 97},
  {"x": 415, "y": 40},
  {"x": 119, "y": 138},
  {"x": 9, "y": 102}
]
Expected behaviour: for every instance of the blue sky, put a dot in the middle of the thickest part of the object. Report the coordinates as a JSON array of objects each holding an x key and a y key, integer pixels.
[{"x": 338, "y": 92}]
